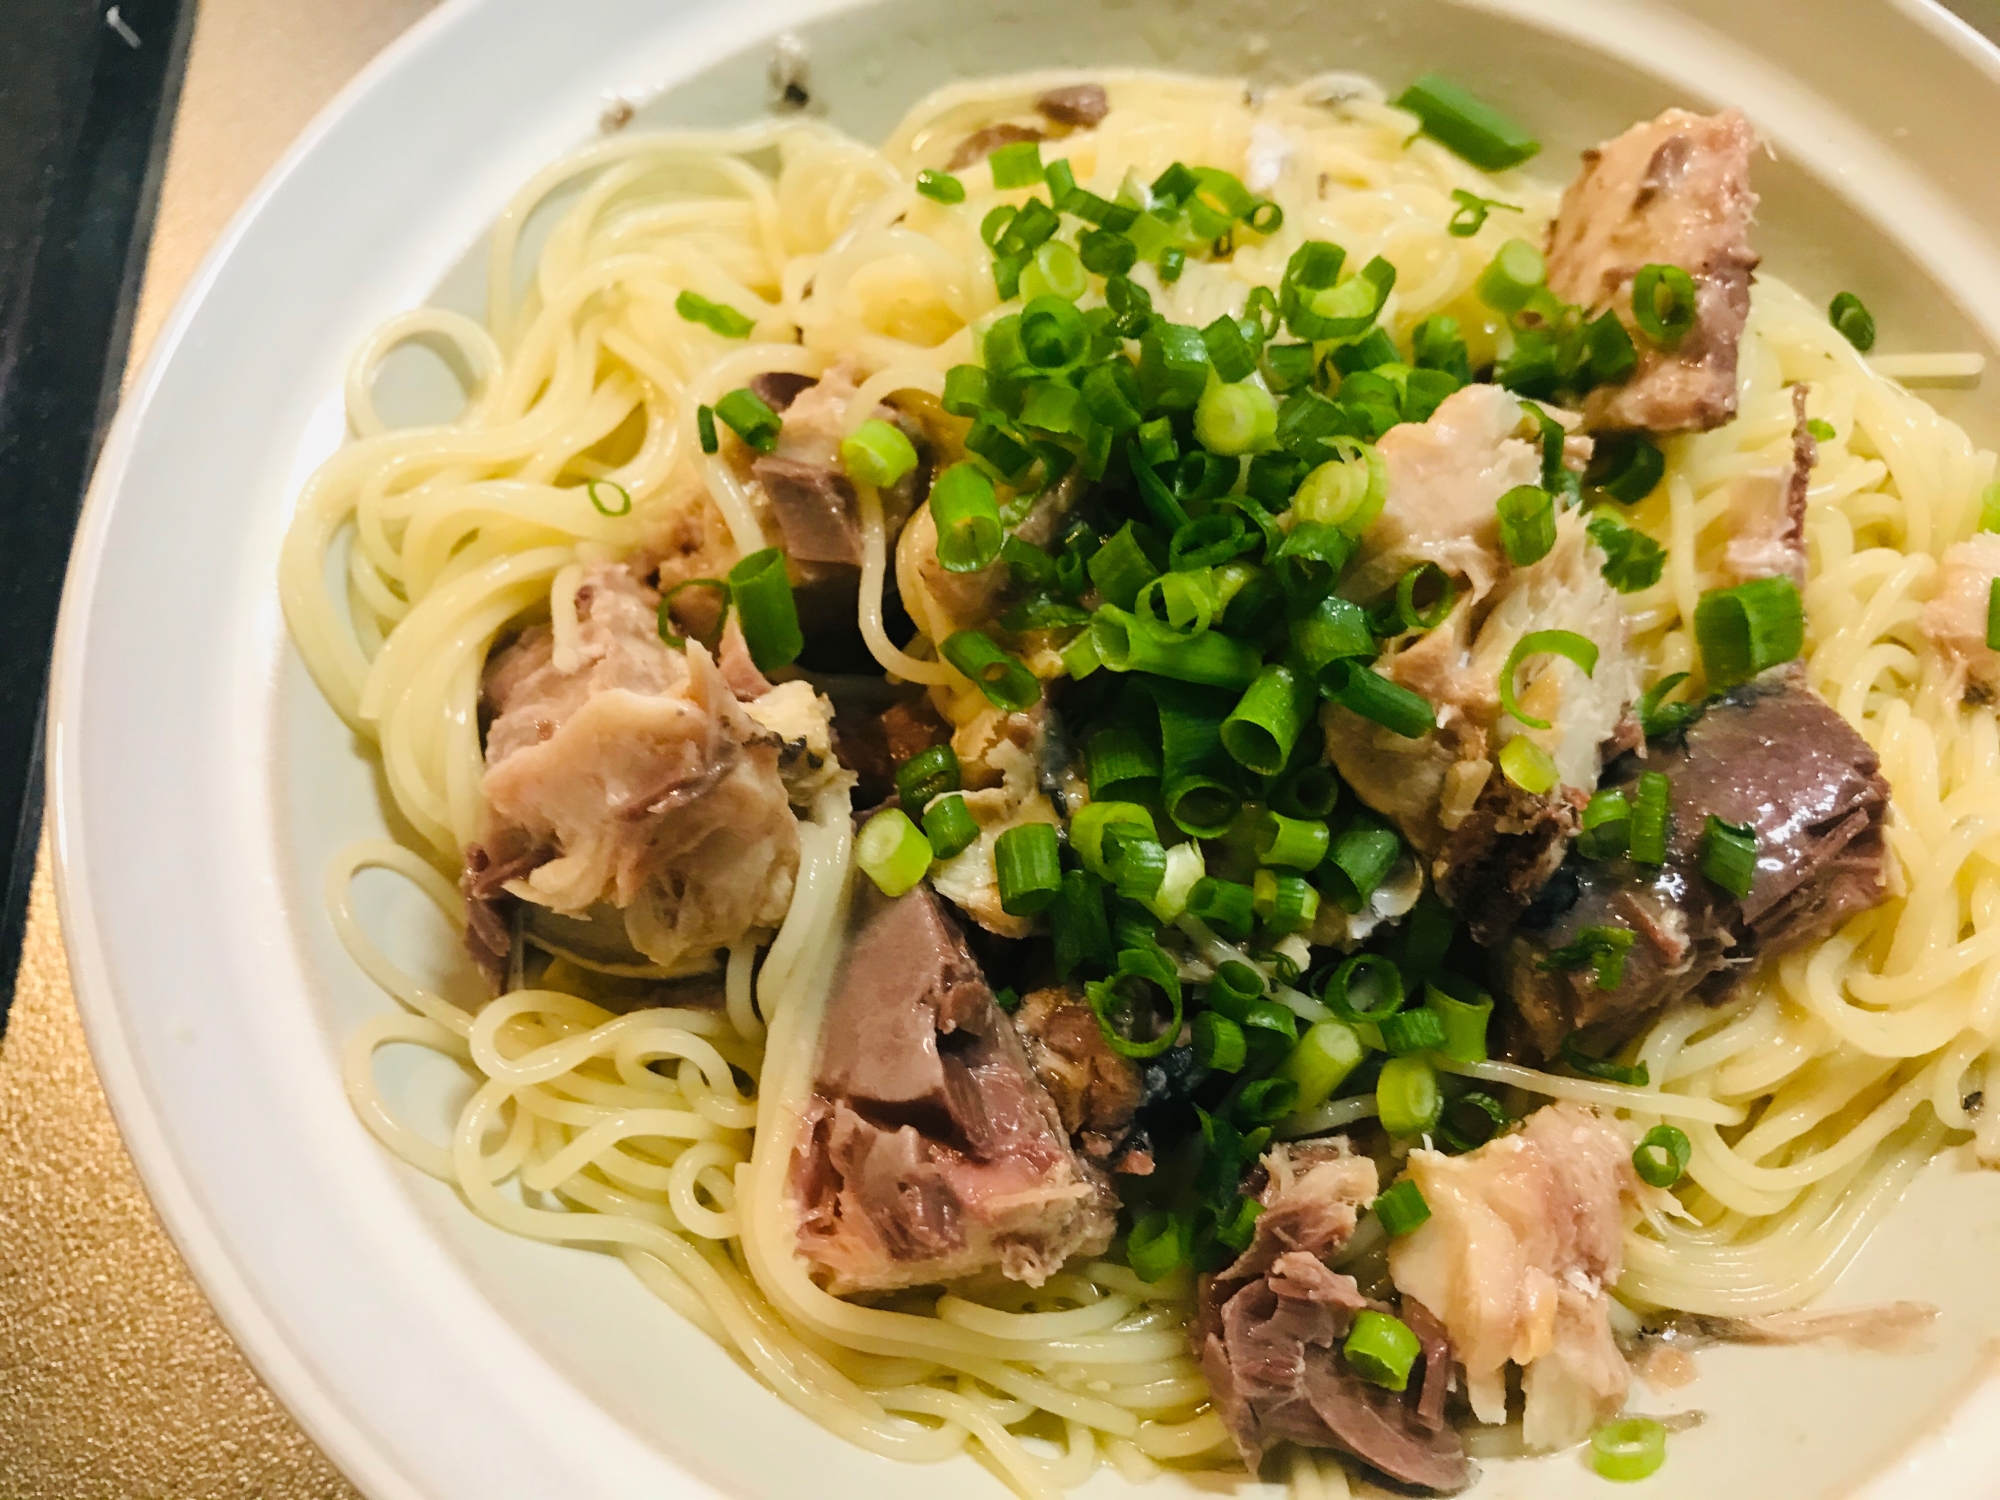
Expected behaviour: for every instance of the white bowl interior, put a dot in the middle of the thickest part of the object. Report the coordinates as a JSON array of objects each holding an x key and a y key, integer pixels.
[{"x": 433, "y": 1355}]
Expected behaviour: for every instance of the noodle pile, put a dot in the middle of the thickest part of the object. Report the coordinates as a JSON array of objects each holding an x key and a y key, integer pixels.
[{"x": 665, "y": 1134}]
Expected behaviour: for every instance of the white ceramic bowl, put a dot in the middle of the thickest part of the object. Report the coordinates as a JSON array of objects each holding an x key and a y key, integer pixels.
[{"x": 199, "y": 782}]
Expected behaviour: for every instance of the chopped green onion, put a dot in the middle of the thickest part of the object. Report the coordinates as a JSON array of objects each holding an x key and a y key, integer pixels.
[
  {"x": 1147, "y": 967},
  {"x": 1131, "y": 306},
  {"x": 1729, "y": 855},
  {"x": 1056, "y": 270},
  {"x": 1322, "y": 1061},
  {"x": 1661, "y": 1156},
  {"x": 1346, "y": 308},
  {"x": 1006, "y": 683},
  {"x": 1435, "y": 344},
  {"x": 1401, "y": 1208},
  {"x": 966, "y": 392},
  {"x": 1821, "y": 432},
  {"x": 1365, "y": 974},
  {"x": 1154, "y": 1248},
  {"x": 1993, "y": 616},
  {"x": 1234, "y": 988},
  {"x": 1381, "y": 1349},
  {"x": 1663, "y": 303},
  {"x": 1470, "y": 215},
  {"x": 967, "y": 519},
  {"x": 1261, "y": 730},
  {"x": 1651, "y": 809},
  {"x": 1345, "y": 492},
  {"x": 1173, "y": 365},
  {"x": 1081, "y": 932},
  {"x": 949, "y": 825},
  {"x": 1218, "y": 1043},
  {"x": 1079, "y": 657},
  {"x": 878, "y": 453},
  {"x": 1122, "y": 763},
  {"x": 750, "y": 419},
  {"x": 993, "y": 228},
  {"x": 1123, "y": 566},
  {"x": 1362, "y": 855},
  {"x": 1027, "y": 866},
  {"x": 624, "y": 495},
  {"x": 1602, "y": 950},
  {"x": 1657, "y": 717},
  {"x": 714, "y": 316},
  {"x": 1207, "y": 541},
  {"x": 1528, "y": 766},
  {"x": 1228, "y": 350},
  {"x": 1335, "y": 630},
  {"x": 1467, "y": 125},
  {"x": 941, "y": 187},
  {"x": 1407, "y": 1097},
  {"x": 1017, "y": 164},
  {"x": 1236, "y": 1228},
  {"x": 1426, "y": 938},
  {"x": 1054, "y": 334},
  {"x": 1310, "y": 792},
  {"x": 1854, "y": 321},
  {"x": 927, "y": 774},
  {"x": 1284, "y": 903},
  {"x": 1226, "y": 905},
  {"x": 1628, "y": 1449},
  {"x": 1601, "y": 1067},
  {"x": 1128, "y": 643},
  {"x": 1463, "y": 1022},
  {"x": 1512, "y": 277},
  {"x": 1632, "y": 560},
  {"x": 1272, "y": 1032},
  {"x": 1364, "y": 691},
  {"x": 1444, "y": 593},
  {"x": 1235, "y": 419},
  {"x": 1611, "y": 354},
  {"x": 1989, "y": 507},
  {"x": 1094, "y": 819},
  {"x": 761, "y": 590},
  {"x": 1410, "y": 1031},
  {"x": 1135, "y": 862},
  {"x": 666, "y": 614},
  {"x": 892, "y": 852},
  {"x": 1527, "y": 523},
  {"x": 1266, "y": 1101},
  {"x": 1288, "y": 365},
  {"x": 1172, "y": 261},
  {"x": 1564, "y": 643},
  {"x": 1295, "y": 843},
  {"x": 1607, "y": 826},
  {"x": 704, "y": 429},
  {"x": 1745, "y": 629},
  {"x": 1470, "y": 1121}
]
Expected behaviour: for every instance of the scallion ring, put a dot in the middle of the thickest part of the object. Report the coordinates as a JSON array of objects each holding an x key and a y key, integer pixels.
[{"x": 1564, "y": 643}]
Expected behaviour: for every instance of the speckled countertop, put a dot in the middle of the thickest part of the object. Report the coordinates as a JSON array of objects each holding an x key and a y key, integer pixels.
[{"x": 116, "y": 1381}]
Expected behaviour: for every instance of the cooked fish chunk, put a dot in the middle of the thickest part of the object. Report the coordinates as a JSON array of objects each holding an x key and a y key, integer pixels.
[
  {"x": 1443, "y": 478},
  {"x": 644, "y": 779},
  {"x": 1272, "y": 1323},
  {"x": 1525, "y": 1235},
  {"x": 930, "y": 1151},
  {"x": 1955, "y": 618},
  {"x": 1671, "y": 191},
  {"x": 1768, "y": 510},
  {"x": 1770, "y": 754}
]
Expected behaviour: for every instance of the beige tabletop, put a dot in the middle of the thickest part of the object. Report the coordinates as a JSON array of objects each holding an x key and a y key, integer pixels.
[{"x": 115, "y": 1379}]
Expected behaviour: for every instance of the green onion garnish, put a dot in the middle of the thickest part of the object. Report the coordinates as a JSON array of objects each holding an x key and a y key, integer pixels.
[
  {"x": 1128, "y": 643},
  {"x": 1610, "y": 353},
  {"x": 966, "y": 391},
  {"x": 1226, "y": 905},
  {"x": 1094, "y": 820},
  {"x": 1173, "y": 365},
  {"x": 1463, "y": 1021},
  {"x": 1467, "y": 125},
  {"x": 967, "y": 519},
  {"x": 941, "y": 187},
  {"x": 1661, "y": 1156},
  {"x": 624, "y": 495},
  {"x": 1745, "y": 629},
  {"x": 1602, "y": 950},
  {"x": 1079, "y": 927},
  {"x": 1658, "y": 717},
  {"x": 1335, "y": 630},
  {"x": 1172, "y": 262},
  {"x": 704, "y": 429},
  {"x": 1822, "y": 432},
  {"x": 1235, "y": 419},
  {"x": 1381, "y": 1349},
  {"x": 1632, "y": 560},
  {"x": 1663, "y": 303},
  {"x": 1027, "y": 867},
  {"x": 1362, "y": 855},
  {"x": 1651, "y": 808},
  {"x": 1470, "y": 215},
  {"x": 1443, "y": 593},
  {"x": 1637, "y": 1076},
  {"x": 1125, "y": 999},
  {"x": 1607, "y": 826},
  {"x": 1235, "y": 988},
  {"x": 1295, "y": 843},
  {"x": 750, "y": 419},
  {"x": 1218, "y": 1042},
  {"x": 1409, "y": 1031},
  {"x": 1855, "y": 322},
  {"x": 666, "y": 615},
  {"x": 949, "y": 825},
  {"x": 1470, "y": 1121},
  {"x": 1564, "y": 643},
  {"x": 1005, "y": 682},
  {"x": 1365, "y": 691},
  {"x": 1729, "y": 855},
  {"x": 927, "y": 774},
  {"x": 1350, "y": 987},
  {"x": 1407, "y": 1097},
  {"x": 1106, "y": 252},
  {"x": 1123, "y": 565},
  {"x": 1154, "y": 1248},
  {"x": 761, "y": 590},
  {"x": 1527, "y": 523},
  {"x": 1265, "y": 1102},
  {"x": 1261, "y": 730},
  {"x": 1401, "y": 1208},
  {"x": 1122, "y": 764},
  {"x": 1514, "y": 274},
  {"x": 1628, "y": 1449},
  {"x": 1054, "y": 334},
  {"x": 714, "y": 316},
  {"x": 1017, "y": 164},
  {"x": 877, "y": 453},
  {"x": 1528, "y": 766},
  {"x": 1288, "y": 365},
  {"x": 1283, "y": 903},
  {"x": 892, "y": 852},
  {"x": 1236, "y": 1228},
  {"x": 1321, "y": 1061},
  {"x": 1993, "y": 616}
]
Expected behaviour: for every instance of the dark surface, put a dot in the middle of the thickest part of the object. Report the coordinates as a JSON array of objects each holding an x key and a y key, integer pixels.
[{"x": 84, "y": 121}]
